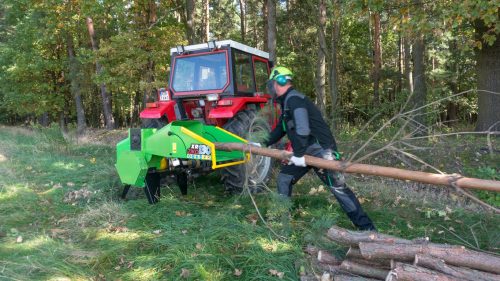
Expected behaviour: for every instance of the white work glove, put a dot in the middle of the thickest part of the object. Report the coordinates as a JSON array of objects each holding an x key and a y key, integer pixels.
[
  {"x": 297, "y": 161},
  {"x": 255, "y": 144}
]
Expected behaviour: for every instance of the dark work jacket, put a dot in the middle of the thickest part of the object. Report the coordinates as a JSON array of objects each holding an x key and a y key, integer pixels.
[{"x": 302, "y": 122}]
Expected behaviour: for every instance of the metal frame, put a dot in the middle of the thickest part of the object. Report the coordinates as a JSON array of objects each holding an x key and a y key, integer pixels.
[{"x": 224, "y": 43}]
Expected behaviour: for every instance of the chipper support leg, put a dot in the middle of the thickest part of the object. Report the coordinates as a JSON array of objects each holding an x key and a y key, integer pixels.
[
  {"x": 152, "y": 188},
  {"x": 182, "y": 182},
  {"x": 126, "y": 188}
]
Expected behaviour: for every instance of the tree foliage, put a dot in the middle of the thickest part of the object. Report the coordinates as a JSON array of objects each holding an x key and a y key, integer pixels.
[{"x": 134, "y": 39}]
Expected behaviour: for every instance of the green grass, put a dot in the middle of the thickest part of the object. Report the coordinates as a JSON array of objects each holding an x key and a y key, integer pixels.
[{"x": 206, "y": 233}]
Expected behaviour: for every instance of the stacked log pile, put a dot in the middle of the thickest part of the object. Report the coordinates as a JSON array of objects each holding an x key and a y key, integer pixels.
[{"x": 376, "y": 256}]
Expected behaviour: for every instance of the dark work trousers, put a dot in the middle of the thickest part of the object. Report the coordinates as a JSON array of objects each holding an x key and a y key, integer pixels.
[{"x": 290, "y": 174}]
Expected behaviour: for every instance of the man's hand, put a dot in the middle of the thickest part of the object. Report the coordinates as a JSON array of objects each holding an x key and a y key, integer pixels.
[
  {"x": 255, "y": 144},
  {"x": 332, "y": 155},
  {"x": 298, "y": 161}
]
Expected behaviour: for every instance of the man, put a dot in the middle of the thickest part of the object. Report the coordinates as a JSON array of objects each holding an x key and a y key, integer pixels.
[{"x": 309, "y": 134}]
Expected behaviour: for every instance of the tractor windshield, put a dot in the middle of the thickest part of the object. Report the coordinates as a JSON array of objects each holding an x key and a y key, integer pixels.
[{"x": 200, "y": 73}]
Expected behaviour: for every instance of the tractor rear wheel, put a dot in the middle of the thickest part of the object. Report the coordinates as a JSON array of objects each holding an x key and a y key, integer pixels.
[{"x": 257, "y": 171}]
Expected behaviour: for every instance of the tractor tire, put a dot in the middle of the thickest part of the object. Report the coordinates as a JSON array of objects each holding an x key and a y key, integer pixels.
[{"x": 255, "y": 173}]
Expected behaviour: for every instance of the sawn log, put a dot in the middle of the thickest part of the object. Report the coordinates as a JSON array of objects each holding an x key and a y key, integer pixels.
[
  {"x": 352, "y": 238},
  {"x": 363, "y": 269},
  {"x": 458, "y": 272},
  {"x": 408, "y": 272},
  {"x": 453, "y": 255}
]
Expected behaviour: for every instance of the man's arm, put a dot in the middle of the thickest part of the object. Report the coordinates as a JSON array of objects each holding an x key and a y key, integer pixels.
[
  {"x": 275, "y": 134},
  {"x": 302, "y": 128}
]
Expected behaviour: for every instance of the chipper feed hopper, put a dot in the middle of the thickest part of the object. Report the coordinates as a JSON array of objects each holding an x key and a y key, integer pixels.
[{"x": 178, "y": 147}]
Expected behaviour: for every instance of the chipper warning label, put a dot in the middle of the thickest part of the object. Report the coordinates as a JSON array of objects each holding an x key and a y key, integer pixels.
[{"x": 199, "y": 151}]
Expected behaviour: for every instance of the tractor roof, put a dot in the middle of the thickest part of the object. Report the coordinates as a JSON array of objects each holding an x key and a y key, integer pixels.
[{"x": 231, "y": 43}]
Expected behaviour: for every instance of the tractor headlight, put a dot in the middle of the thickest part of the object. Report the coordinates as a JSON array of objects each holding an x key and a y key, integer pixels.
[{"x": 212, "y": 97}]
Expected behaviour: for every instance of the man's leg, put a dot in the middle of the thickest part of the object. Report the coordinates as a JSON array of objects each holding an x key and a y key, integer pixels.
[
  {"x": 288, "y": 176},
  {"x": 344, "y": 195}
]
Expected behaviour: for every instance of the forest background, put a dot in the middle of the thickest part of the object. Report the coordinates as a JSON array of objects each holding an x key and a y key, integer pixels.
[{"x": 96, "y": 63}]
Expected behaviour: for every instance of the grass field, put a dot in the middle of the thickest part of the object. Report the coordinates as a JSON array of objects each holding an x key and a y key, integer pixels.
[{"x": 61, "y": 219}]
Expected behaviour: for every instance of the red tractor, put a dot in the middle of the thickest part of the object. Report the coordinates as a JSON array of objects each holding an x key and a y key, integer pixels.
[{"x": 220, "y": 83}]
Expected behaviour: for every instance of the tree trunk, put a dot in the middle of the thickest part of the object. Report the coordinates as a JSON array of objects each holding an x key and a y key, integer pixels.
[
  {"x": 243, "y": 21},
  {"x": 321, "y": 62},
  {"x": 62, "y": 122},
  {"x": 488, "y": 81},
  {"x": 457, "y": 272},
  {"x": 400, "y": 68},
  {"x": 74, "y": 70},
  {"x": 106, "y": 103},
  {"x": 363, "y": 270},
  {"x": 190, "y": 14},
  {"x": 407, "y": 46},
  {"x": 454, "y": 255},
  {"x": 254, "y": 14},
  {"x": 272, "y": 31},
  {"x": 451, "y": 113},
  {"x": 438, "y": 179},
  {"x": 150, "y": 18},
  {"x": 407, "y": 272},
  {"x": 206, "y": 20},
  {"x": 135, "y": 109},
  {"x": 266, "y": 25},
  {"x": 377, "y": 58},
  {"x": 334, "y": 77},
  {"x": 43, "y": 119},
  {"x": 419, "y": 97},
  {"x": 407, "y": 65}
]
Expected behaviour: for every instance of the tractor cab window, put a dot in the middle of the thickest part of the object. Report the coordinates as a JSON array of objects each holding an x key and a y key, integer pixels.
[
  {"x": 200, "y": 73},
  {"x": 243, "y": 72},
  {"x": 261, "y": 75}
]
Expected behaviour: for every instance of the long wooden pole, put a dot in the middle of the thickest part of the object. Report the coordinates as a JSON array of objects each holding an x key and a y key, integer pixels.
[{"x": 430, "y": 178}]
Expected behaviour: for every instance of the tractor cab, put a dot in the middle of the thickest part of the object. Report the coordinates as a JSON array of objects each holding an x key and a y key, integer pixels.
[{"x": 211, "y": 82}]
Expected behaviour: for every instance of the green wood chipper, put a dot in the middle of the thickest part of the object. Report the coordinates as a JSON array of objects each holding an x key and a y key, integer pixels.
[{"x": 179, "y": 146}]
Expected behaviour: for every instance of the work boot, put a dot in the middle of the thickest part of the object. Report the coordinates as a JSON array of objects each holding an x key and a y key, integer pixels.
[{"x": 361, "y": 221}]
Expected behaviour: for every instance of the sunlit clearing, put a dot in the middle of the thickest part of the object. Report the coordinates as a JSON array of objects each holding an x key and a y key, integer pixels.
[
  {"x": 59, "y": 278},
  {"x": 272, "y": 245},
  {"x": 117, "y": 237},
  {"x": 28, "y": 243},
  {"x": 10, "y": 192},
  {"x": 208, "y": 274},
  {"x": 66, "y": 166},
  {"x": 2, "y": 158},
  {"x": 141, "y": 273}
]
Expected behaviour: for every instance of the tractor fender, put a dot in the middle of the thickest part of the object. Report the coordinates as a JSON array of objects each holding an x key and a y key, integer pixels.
[
  {"x": 162, "y": 108},
  {"x": 229, "y": 111}
]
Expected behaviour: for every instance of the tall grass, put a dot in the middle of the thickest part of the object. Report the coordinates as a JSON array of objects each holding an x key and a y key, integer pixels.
[{"x": 203, "y": 236}]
